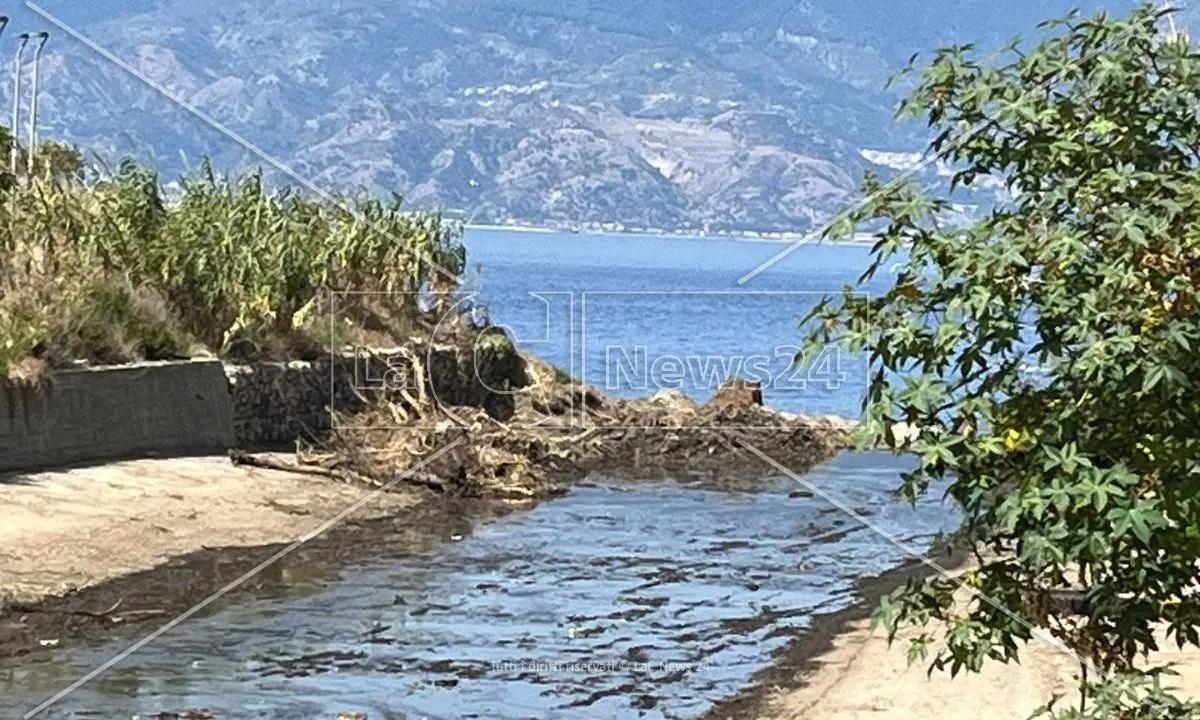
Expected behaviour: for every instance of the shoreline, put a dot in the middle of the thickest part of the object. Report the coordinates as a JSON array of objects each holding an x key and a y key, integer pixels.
[
  {"x": 129, "y": 601},
  {"x": 794, "y": 665},
  {"x": 125, "y": 600},
  {"x": 748, "y": 236},
  {"x": 135, "y": 583},
  {"x": 124, "y": 605}
]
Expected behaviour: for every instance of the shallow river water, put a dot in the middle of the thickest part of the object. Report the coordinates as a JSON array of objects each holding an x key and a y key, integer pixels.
[{"x": 619, "y": 600}]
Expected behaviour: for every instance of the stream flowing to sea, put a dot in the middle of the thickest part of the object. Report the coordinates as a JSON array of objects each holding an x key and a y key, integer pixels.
[{"x": 621, "y": 599}]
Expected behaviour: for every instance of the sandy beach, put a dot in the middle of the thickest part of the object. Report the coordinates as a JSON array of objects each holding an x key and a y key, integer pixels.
[
  {"x": 861, "y": 677},
  {"x": 76, "y": 528},
  {"x": 842, "y": 669}
]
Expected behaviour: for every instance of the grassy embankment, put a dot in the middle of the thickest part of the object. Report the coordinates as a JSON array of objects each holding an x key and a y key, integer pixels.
[{"x": 99, "y": 265}]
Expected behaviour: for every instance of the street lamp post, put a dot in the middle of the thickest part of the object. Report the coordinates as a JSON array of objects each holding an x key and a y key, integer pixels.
[
  {"x": 33, "y": 99},
  {"x": 16, "y": 116},
  {"x": 3, "y": 25}
]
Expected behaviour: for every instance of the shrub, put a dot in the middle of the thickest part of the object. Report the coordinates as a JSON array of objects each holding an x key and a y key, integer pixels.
[{"x": 1048, "y": 351}]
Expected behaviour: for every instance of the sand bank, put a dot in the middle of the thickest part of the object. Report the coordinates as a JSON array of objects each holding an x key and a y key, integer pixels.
[
  {"x": 72, "y": 529},
  {"x": 841, "y": 669}
]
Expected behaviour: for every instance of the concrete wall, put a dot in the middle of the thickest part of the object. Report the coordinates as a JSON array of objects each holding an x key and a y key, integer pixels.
[
  {"x": 90, "y": 415},
  {"x": 204, "y": 406}
]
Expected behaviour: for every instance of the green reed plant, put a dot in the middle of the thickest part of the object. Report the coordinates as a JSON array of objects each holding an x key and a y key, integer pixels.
[{"x": 110, "y": 269}]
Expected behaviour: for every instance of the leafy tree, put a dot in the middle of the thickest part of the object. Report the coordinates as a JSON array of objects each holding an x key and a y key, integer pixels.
[{"x": 1049, "y": 351}]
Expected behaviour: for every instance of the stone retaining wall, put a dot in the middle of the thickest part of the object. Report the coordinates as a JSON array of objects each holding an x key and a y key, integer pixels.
[
  {"x": 276, "y": 403},
  {"x": 204, "y": 406}
]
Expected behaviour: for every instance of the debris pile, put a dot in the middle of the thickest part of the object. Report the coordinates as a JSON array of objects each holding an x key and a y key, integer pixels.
[{"x": 525, "y": 441}]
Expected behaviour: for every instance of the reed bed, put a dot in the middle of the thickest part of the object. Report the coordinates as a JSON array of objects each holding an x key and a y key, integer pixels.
[{"x": 100, "y": 264}]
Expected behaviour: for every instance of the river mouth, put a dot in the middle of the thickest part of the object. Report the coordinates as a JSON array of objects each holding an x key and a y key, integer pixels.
[{"x": 620, "y": 599}]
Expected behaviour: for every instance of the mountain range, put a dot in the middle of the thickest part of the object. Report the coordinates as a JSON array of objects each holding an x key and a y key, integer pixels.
[{"x": 746, "y": 115}]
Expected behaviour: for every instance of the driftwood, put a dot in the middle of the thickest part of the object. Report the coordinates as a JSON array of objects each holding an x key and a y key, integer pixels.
[
  {"x": 102, "y": 615},
  {"x": 269, "y": 462}
]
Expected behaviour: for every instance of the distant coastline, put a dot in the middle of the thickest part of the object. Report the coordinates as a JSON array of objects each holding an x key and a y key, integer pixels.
[{"x": 863, "y": 239}]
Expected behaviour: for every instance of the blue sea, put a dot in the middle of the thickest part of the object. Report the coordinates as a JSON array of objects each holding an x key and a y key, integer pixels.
[{"x": 633, "y": 314}]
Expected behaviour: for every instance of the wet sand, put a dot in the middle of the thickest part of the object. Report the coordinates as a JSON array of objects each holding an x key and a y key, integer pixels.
[
  {"x": 841, "y": 669},
  {"x": 75, "y": 528},
  {"x": 795, "y": 664},
  {"x": 88, "y": 553}
]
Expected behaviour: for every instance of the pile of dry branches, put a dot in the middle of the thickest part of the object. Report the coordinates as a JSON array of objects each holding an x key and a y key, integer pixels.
[{"x": 557, "y": 429}]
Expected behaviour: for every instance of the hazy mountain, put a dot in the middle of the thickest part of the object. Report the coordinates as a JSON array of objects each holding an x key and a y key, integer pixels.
[{"x": 748, "y": 114}]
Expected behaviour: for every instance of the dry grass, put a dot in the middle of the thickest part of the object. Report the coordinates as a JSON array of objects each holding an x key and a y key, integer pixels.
[{"x": 28, "y": 371}]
